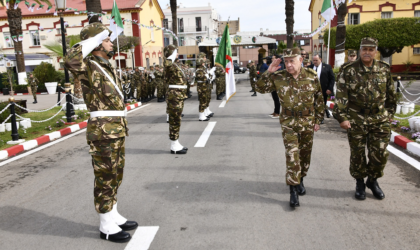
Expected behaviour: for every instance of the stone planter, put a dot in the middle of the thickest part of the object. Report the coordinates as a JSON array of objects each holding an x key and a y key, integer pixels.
[{"x": 51, "y": 87}]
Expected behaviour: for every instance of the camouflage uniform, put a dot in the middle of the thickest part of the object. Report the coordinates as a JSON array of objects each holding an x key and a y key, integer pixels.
[
  {"x": 303, "y": 107},
  {"x": 105, "y": 134},
  {"x": 253, "y": 76},
  {"x": 202, "y": 85},
  {"x": 220, "y": 80},
  {"x": 175, "y": 96},
  {"x": 144, "y": 86},
  {"x": 34, "y": 85},
  {"x": 366, "y": 98},
  {"x": 152, "y": 81},
  {"x": 159, "y": 83},
  {"x": 136, "y": 81},
  {"x": 210, "y": 87}
]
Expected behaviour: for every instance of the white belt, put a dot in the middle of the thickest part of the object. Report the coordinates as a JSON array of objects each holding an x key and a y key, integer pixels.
[
  {"x": 177, "y": 86},
  {"x": 108, "y": 113}
]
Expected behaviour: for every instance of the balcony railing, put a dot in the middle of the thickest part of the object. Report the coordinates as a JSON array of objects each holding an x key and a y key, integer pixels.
[{"x": 190, "y": 29}]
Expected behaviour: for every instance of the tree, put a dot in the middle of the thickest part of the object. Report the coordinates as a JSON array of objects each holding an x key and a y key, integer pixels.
[
  {"x": 14, "y": 18},
  {"x": 94, "y": 6},
  {"x": 174, "y": 20},
  {"x": 290, "y": 8},
  {"x": 340, "y": 50},
  {"x": 393, "y": 34}
]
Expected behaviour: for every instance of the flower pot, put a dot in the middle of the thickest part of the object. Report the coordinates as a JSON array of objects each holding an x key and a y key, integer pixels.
[
  {"x": 2, "y": 127},
  {"x": 412, "y": 121},
  {"x": 51, "y": 87}
]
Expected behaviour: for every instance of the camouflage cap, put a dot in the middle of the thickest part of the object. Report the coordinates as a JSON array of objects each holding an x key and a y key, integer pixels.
[
  {"x": 202, "y": 55},
  {"x": 291, "y": 52},
  {"x": 92, "y": 30},
  {"x": 369, "y": 42},
  {"x": 352, "y": 52},
  {"x": 200, "y": 62},
  {"x": 306, "y": 61},
  {"x": 169, "y": 50}
]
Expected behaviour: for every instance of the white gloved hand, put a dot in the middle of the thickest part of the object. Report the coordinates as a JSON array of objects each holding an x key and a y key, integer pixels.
[
  {"x": 173, "y": 56},
  {"x": 255, "y": 79},
  {"x": 90, "y": 44}
]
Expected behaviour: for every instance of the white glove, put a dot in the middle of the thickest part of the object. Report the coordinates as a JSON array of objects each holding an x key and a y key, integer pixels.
[
  {"x": 255, "y": 79},
  {"x": 90, "y": 44},
  {"x": 247, "y": 72},
  {"x": 173, "y": 56}
]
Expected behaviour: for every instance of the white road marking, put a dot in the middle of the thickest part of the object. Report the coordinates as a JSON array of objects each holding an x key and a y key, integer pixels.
[
  {"x": 142, "y": 238},
  {"x": 413, "y": 162},
  {"x": 54, "y": 142},
  {"x": 201, "y": 143},
  {"x": 222, "y": 105}
]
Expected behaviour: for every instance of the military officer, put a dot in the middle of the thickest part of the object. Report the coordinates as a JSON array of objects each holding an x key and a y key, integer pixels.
[
  {"x": 175, "y": 97},
  {"x": 33, "y": 81},
  {"x": 253, "y": 76},
  {"x": 107, "y": 125},
  {"x": 301, "y": 97},
  {"x": 220, "y": 81},
  {"x": 209, "y": 89},
  {"x": 365, "y": 104},
  {"x": 202, "y": 85},
  {"x": 152, "y": 85}
]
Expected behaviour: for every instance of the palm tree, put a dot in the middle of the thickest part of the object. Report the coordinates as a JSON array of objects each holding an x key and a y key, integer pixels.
[
  {"x": 94, "y": 6},
  {"x": 340, "y": 50},
  {"x": 14, "y": 17},
  {"x": 57, "y": 50},
  {"x": 174, "y": 20},
  {"x": 290, "y": 9}
]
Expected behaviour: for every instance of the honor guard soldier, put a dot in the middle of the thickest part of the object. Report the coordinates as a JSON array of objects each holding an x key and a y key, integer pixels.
[
  {"x": 202, "y": 85},
  {"x": 152, "y": 85},
  {"x": 175, "y": 97},
  {"x": 33, "y": 81},
  {"x": 133, "y": 84},
  {"x": 253, "y": 76},
  {"x": 107, "y": 125},
  {"x": 365, "y": 104},
  {"x": 302, "y": 104},
  {"x": 220, "y": 81},
  {"x": 159, "y": 84},
  {"x": 144, "y": 82},
  {"x": 136, "y": 78}
]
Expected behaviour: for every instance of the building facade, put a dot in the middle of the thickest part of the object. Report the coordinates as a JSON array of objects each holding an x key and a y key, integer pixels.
[
  {"x": 41, "y": 28},
  {"x": 361, "y": 11}
]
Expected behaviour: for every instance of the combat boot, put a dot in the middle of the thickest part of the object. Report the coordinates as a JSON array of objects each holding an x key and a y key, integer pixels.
[
  {"x": 35, "y": 101},
  {"x": 109, "y": 230},
  {"x": 203, "y": 117},
  {"x": 301, "y": 188},
  {"x": 251, "y": 90},
  {"x": 255, "y": 94},
  {"x": 372, "y": 184},
  {"x": 219, "y": 97},
  {"x": 177, "y": 148},
  {"x": 294, "y": 198},
  {"x": 327, "y": 113},
  {"x": 122, "y": 222},
  {"x": 360, "y": 189},
  {"x": 167, "y": 118}
]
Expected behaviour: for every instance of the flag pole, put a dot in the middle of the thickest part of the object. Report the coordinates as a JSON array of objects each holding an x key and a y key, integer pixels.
[
  {"x": 118, "y": 49},
  {"x": 329, "y": 33}
]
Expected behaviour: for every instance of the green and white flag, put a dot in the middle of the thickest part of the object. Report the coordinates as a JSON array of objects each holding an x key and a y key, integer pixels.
[
  {"x": 224, "y": 59},
  {"x": 328, "y": 10},
  {"x": 116, "y": 23}
]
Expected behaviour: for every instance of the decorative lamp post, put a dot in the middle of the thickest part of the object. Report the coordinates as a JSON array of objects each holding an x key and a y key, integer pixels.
[
  {"x": 60, "y": 6},
  {"x": 132, "y": 48},
  {"x": 321, "y": 42}
]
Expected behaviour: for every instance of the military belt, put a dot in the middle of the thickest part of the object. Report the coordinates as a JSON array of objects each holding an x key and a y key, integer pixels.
[
  {"x": 297, "y": 113},
  {"x": 177, "y": 86},
  {"x": 108, "y": 113}
]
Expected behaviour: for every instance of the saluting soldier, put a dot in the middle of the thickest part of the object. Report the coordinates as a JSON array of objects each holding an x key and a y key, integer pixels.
[
  {"x": 136, "y": 80},
  {"x": 207, "y": 112},
  {"x": 175, "y": 97},
  {"x": 253, "y": 76},
  {"x": 144, "y": 83},
  {"x": 33, "y": 81},
  {"x": 107, "y": 125},
  {"x": 220, "y": 81},
  {"x": 365, "y": 104},
  {"x": 301, "y": 97}
]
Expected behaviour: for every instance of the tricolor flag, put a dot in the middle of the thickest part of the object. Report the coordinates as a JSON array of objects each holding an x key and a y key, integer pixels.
[
  {"x": 28, "y": 5},
  {"x": 116, "y": 23},
  {"x": 20, "y": 38},
  {"x": 328, "y": 10},
  {"x": 32, "y": 7},
  {"x": 40, "y": 7},
  {"x": 48, "y": 9},
  {"x": 224, "y": 59}
]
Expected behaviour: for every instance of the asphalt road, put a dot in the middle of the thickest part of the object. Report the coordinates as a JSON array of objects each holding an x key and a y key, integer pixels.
[{"x": 230, "y": 194}]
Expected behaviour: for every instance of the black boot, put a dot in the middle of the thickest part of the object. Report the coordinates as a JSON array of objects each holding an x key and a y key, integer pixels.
[
  {"x": 360, "y": 189},
  {"x": 294, "y": 198},
  {"x": 251, "y": 90},
  {"x": 129, "y": 225},
  {"x": 327, "y": 113},
  {"x": 35, "y": 101},
  {"x": 219, "y": 97},
  {"x": 373, "y": 185},
  {"x": 301, "y": 188},
  {"x": 255, "y": 94},
  {"x": 119, "y": 237}
]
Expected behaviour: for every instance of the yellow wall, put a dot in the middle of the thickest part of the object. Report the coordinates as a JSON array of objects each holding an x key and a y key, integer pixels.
[{"x": 151, "y": 12}]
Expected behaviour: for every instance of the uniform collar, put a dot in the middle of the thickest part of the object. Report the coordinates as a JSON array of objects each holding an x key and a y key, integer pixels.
[
  {"x": 102, "y": 60},
  {"x": 363, "y": 68}
]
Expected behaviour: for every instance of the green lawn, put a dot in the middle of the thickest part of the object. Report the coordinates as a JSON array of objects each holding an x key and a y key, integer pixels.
[{"x": 40, "y": 129}]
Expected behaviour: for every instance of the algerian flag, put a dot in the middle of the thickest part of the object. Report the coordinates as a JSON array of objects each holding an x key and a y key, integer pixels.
[
  {"x": 328, "y": 10},
  {"x": 224, "y": 59},
  {"x": 116, "y": 24}
]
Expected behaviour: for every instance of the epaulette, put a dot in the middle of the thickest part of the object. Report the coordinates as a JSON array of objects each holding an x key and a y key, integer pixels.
[
  {"x": 387, "y": 64},
  {"x": 311, "y": 71}
]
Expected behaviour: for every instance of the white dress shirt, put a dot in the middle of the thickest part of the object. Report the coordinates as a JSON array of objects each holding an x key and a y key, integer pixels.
[{"x": 318, "y": 70}]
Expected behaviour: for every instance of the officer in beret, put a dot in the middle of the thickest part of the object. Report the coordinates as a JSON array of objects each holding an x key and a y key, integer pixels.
[
  {"x": 300, "y": 95},
  {"x": 365, "y": 104},
  {"x": 107, "y": 125}
]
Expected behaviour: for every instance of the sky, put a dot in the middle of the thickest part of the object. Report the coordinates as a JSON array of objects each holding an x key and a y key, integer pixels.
[{"x": 270, "y": 15}]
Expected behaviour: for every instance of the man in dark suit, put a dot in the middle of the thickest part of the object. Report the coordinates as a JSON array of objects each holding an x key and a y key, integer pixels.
[{"x": 326, "y": 77}]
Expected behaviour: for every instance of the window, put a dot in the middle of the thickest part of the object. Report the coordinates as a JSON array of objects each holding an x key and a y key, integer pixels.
[
  {"x": 386, "y": 15},
  {"x": 305, "y": 42},
  {"x": 35, "y": 38},
  {"x": 416, "y": 51},
  {"x": 8, "y": 41},
  {"x": 61, "y": 65},
  {"x": 166, "y": 41},
  {"x": 354, "y": 18},
  {"x": 417, "y": 13},
  {"x": 198, "y": 24},
  {"x": 180, "y": 25},
  {"x": 181, "y": 41},
  {"x": 198, "y": 38},
  {"x": 234, "y": 50},
  {"x": 165, "y": 23}
]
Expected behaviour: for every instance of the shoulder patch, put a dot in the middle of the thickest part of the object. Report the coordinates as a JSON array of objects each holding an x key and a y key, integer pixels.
[
  {"x": 311, "y": 71},
  {"x": 384, "y": 63}
]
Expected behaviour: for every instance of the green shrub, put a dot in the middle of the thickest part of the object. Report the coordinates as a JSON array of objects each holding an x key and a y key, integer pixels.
[{"x": 45, "y": 72}]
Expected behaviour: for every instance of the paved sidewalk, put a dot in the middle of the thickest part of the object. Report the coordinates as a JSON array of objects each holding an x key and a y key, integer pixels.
[{"x": 44, "y": 101}]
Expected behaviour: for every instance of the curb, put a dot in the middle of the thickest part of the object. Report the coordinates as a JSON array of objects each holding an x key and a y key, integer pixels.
[
  {"x": 410, "y": 146},
  {"x": 12, "y": 151}
]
